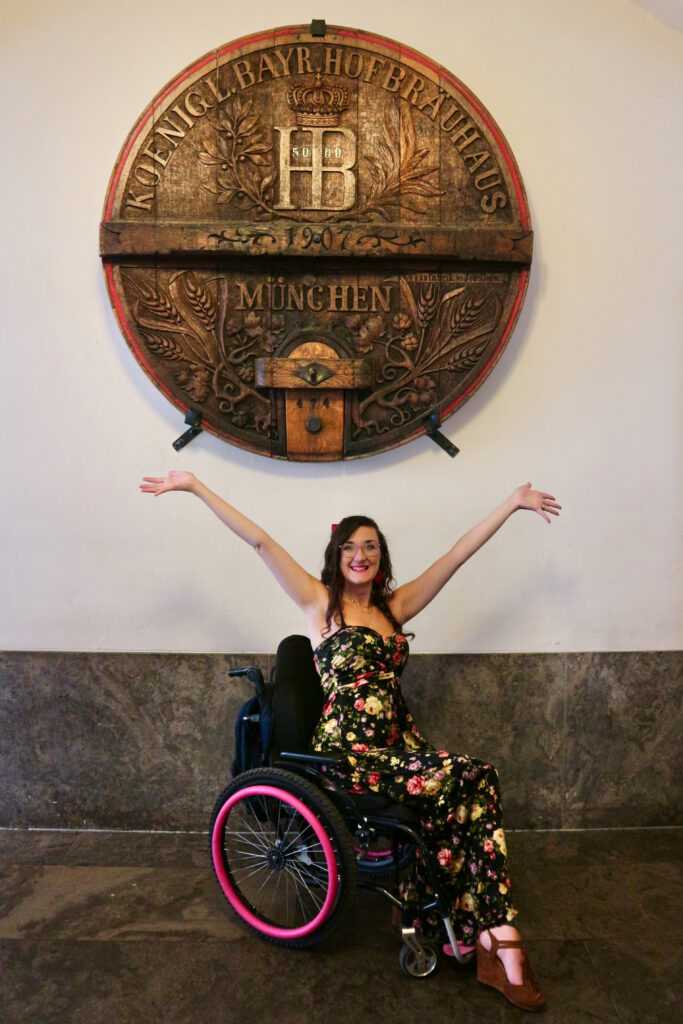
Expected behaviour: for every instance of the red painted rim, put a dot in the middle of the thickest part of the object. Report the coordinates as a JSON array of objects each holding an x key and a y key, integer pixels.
[{"x": 343, "y": 33}]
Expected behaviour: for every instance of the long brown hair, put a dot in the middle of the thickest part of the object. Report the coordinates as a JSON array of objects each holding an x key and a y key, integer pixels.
[{"x": 334, "y": 581}]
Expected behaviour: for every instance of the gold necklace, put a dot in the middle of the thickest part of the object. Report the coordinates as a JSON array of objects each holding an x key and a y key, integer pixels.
[{"x": 366, "y": 609}]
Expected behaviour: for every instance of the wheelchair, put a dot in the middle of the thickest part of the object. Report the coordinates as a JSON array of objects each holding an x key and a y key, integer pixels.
[{"x": 289, "y": 845}]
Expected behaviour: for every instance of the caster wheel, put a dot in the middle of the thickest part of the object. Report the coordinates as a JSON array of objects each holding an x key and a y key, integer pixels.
[{"x": 417, "y": 964}]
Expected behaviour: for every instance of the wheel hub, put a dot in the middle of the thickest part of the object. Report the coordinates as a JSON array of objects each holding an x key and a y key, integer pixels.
[{"x": 276, "y": 858}]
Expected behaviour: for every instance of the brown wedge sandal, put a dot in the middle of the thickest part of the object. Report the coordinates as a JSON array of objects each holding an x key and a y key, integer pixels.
[{"x": 490, "y": 971}]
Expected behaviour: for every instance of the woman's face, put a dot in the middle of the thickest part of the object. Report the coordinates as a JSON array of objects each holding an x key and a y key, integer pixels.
[{"x": 360, "y": 555}]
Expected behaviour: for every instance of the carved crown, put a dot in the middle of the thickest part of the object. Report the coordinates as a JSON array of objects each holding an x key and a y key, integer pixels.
[{"x": 318, "y": 105}]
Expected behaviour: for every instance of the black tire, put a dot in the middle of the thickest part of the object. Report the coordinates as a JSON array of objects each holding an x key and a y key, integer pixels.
[
  {"x": 271, "y": 861},
  {"x": 377, "y": 862}
]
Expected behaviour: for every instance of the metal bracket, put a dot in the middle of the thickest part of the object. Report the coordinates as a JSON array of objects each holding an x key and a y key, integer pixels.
[
  {"x": 193, "y": 417},
  {"x": 318, "y": 27},
  {"x": 409, "y": 936},
  {"x": 425, "y": 959},
  {"x": 432, "y": 424}
]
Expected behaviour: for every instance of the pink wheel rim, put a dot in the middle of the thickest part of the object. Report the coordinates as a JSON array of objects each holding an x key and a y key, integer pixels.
[
  {"x": 233, "y": 898},
  {"x": 376, "y": 855}
]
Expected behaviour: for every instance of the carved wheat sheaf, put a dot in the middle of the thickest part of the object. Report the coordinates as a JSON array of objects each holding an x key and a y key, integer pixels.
[
  {"x": 434, "y": 334},
  {"x": 164, "y": 347},
  {"x": 186, "y": 322},
  {"x": 439, "y": 330},
  {"x": 202, "y": 303}
]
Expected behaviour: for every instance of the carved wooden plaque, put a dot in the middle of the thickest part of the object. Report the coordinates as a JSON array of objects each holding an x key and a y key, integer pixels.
[{"x": 316, "y": 240}]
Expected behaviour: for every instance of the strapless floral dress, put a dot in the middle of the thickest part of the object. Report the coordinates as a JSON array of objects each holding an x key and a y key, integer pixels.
[{"x": 365, "y": 718}]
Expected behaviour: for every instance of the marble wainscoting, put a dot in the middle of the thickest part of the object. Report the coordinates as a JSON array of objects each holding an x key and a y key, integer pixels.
[
  {"x": 580, "y": 740},
  {"x": 145, "y": 741},
  {"x": 117, "y": 740}
]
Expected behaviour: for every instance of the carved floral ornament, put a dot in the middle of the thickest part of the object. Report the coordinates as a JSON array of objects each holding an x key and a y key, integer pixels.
[{"x": 316, "y": 240}]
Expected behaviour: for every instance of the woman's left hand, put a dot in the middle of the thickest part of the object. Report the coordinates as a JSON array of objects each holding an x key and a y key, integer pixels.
[{"x": 537, "y": 501}]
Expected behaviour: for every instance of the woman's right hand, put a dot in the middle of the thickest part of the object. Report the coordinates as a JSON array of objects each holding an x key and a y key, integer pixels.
[
  {"x": 177, "y": 480},
  {"x": 305, "y": 590}
]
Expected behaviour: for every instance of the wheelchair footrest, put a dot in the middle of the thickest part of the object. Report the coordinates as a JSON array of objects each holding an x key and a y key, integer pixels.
[{"x": 466, "y": 953}]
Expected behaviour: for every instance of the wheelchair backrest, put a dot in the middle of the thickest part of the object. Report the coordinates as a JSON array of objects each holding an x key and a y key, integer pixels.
[{"x": 297, "y": 696}]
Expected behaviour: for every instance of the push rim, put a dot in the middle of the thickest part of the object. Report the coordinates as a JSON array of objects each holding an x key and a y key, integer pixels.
[{"x": 279, "y": 861}]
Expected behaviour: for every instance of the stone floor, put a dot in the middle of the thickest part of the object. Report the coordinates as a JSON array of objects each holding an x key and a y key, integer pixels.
[{"x": 125, "y": 927}]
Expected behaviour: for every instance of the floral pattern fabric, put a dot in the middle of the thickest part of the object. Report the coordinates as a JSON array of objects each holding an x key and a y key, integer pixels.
[{"x": 457, "y": 798}]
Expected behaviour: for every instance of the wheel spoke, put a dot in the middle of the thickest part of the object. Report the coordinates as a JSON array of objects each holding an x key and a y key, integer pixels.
[
  {"x": 279, "y": 816},
  {"x": 248, "y": 871},
  {"x": 300, "y": 838},
  {"x": 285, "y": 836},
  {"x": 260, "y": 836},
  {"x": 265, "y": 880},
  {"x": 267, "y": 822},
  {"x": 302, "y": 889},
  {"x": 300, "y": 881},
  {"x": 306, "y": 876},
  {"x": 248, "y": 855},
  {"x": 244, "y": 838}
]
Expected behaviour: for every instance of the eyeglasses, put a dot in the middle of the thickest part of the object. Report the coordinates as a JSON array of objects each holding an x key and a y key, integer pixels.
[{"x": 370, "y": 547}]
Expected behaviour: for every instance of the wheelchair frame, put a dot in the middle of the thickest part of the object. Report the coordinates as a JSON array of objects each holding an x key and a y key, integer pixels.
[{"x": 289, "y": 845}]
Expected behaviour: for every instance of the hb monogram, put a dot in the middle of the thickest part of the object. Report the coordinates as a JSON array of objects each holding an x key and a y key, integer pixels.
[
  {"x": 318, "y": 109},
  {"x": 317, "y": 169}
]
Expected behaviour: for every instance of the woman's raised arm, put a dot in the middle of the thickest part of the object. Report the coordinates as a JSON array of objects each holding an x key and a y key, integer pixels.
[
  {"x": 411, "y": 598},
  {"x": 305, "y": 590}
]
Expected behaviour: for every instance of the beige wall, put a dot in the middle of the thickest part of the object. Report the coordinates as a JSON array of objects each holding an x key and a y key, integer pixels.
[{"x": 585, "y": 401}]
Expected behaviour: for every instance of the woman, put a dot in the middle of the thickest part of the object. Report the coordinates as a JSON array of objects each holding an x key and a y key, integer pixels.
[{"x": 355, "y": 622}]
